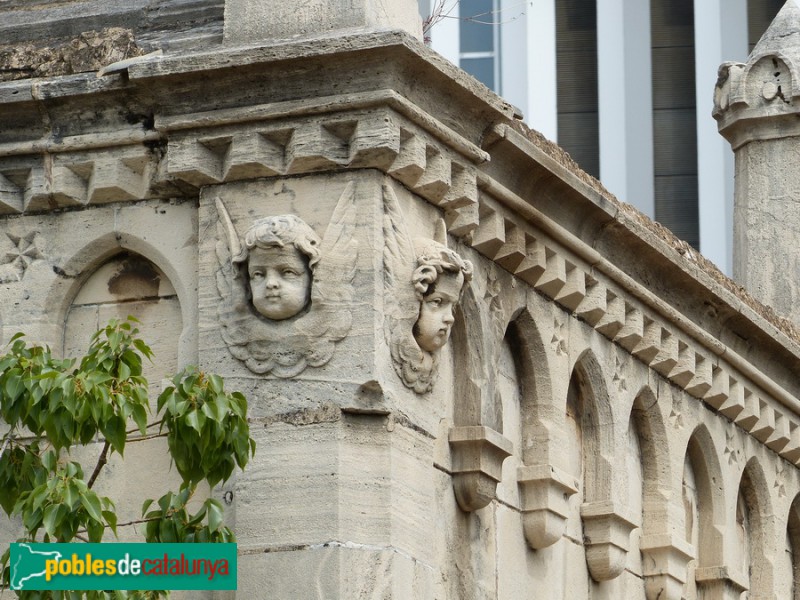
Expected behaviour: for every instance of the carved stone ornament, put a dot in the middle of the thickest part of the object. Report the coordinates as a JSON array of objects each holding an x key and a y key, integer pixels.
[
  {"x": 545, "y": 492},
  {"x": 607, "y": 534},
  {"x": 17, "y": 256},
  {"x": 477, "y": 453},
  {"x": 664, "y": 566},
  {"x": 720, "y": 583},
  {"x": 286, "y": 294},
  {"x": 423, "y": 281}
]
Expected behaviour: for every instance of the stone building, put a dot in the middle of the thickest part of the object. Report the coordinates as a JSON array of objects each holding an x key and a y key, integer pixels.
[{"x": 472, "y": 372}]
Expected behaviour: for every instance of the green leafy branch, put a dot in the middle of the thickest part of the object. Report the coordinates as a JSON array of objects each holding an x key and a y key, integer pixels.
[{"x": 53, "y": 405}]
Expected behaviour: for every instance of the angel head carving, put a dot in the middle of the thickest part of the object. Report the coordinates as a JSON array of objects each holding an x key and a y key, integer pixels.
[
  {"x": 286, "y": 295},
  {"x": 438, "y": 280},
  {"x": 280, "y": 255},
  {"x": 423, "y": 283}
]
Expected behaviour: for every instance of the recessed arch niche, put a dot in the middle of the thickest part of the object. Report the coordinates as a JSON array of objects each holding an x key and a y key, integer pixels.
[
  {"x": 589, "y": 415},
  {"x": 647, "y": 479},
  {"x": 538, "y": 413},
  {"x": 752, "y": 536},
  {"x": 662, "y": 557},
  {"x": 787, "y": 582},
  {"x": 128, "y": 284},
  {"x": 477, "y": 445},
  {"x": 606, "y": 520},
  {"x": 544, "y": 486},
  {"x": 703, "y": 506},
  {"x": 647, "y": 423},
  {"x": 577, "y": 426},
  {"x": 473, "y": 401}
]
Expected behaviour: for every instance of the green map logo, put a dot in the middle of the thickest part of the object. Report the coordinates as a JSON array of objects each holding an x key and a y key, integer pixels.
[
  {"x": 29, "y": 564},
  {"x": 120, "y": 566}
]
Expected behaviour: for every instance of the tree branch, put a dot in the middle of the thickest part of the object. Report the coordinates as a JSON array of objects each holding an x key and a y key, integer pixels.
[
  {"x": 127, "y": 524},
  {"x": 8, "y": 439},
  {"x": 101, "y": 462},
  {"x": 149, "y": 425},
  {"x": 142, "y": 438}
]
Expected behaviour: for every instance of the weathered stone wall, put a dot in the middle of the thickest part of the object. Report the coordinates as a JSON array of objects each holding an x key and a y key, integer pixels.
[
  {"x": 600, "y": 416},
  {"x": 91, "y": 51},
  {"x": 165, "y": 24}
]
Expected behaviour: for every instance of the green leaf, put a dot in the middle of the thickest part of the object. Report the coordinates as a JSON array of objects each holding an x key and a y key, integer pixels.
[
  {"x": 193, "y": 421},
  {"x": 108, "y": 503},
  {"x": 53, "y": 515},
  {"x": 183, "y": 495},
  {"x": 215, "y": 515},
  {"x": 115, "y": 433},
  {"x": 197, "y": 517},
  {"x": 111, "y": 518},
  {"x": 216, "y": 383},
  {"x": 146, "y": 504},
  {"x": 14, "y": 386},
  {"x": 95, "y": 529},
  {"x": 165, "y": 396},
  {"x": 238, "y": 404},
  {"x": 140, "y": 418},
  {"x": 124, "y": 371},
  {"x": 180, "y": 408},
  {"x": 37, "y": 496},
  {"x": 143, "y": 348},
  {"x": 49, "y": 460},
  {"x": 187, "y": 384},
  {"x": 165, "y": 501},
  {"x": 208, "y": 411},
  {"x": 32, "y": 519},
  {"x": 71, "y": 495},
  {"x": 114, "y": 339},
  {"x": 91, "y": 503},
  {"x": 167, "y": 532},
  {"x": 222, "y": 407}
]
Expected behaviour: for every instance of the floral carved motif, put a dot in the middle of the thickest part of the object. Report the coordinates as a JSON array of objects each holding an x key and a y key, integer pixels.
[{"x": 19, "y": 253}]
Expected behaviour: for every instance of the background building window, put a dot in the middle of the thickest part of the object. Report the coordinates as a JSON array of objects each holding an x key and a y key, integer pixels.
[
  {"x": 478, "y": 40},
  {"x": 576, "y": 64},
  {"x": 674, "y": 117}
]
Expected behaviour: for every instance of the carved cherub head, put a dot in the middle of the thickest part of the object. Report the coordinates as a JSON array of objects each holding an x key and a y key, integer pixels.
[
  {"x": 439, "y": 279},
  {"x": 280, "y": 253}
]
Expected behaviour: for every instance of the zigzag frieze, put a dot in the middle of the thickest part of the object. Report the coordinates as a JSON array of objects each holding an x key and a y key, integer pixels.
[
  {"x": 645, "y": 332},
  {"x": 23, "y": 182},
  {"x": 39, "y": 183},
  {"x": 381, "y": 139},
  {"x": 237, "y": 144}
]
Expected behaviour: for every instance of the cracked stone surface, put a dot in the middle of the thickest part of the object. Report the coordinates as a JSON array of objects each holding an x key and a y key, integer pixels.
[{"x": 90, "y": 51}]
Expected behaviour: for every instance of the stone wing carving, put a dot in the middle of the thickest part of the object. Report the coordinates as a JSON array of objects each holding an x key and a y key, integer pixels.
[
  {"x": 416, "y": 367},
  {"x": 285, "y": 348}
]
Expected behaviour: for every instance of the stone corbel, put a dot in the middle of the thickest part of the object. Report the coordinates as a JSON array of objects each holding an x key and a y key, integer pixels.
[
  {"x": 665, "y": 559},
  {"x": 544, "y": 492},
  {"x": 606, "y": 535},
  {"x": 477, "y": 457},
  {"x": 719, "y": 583}
]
